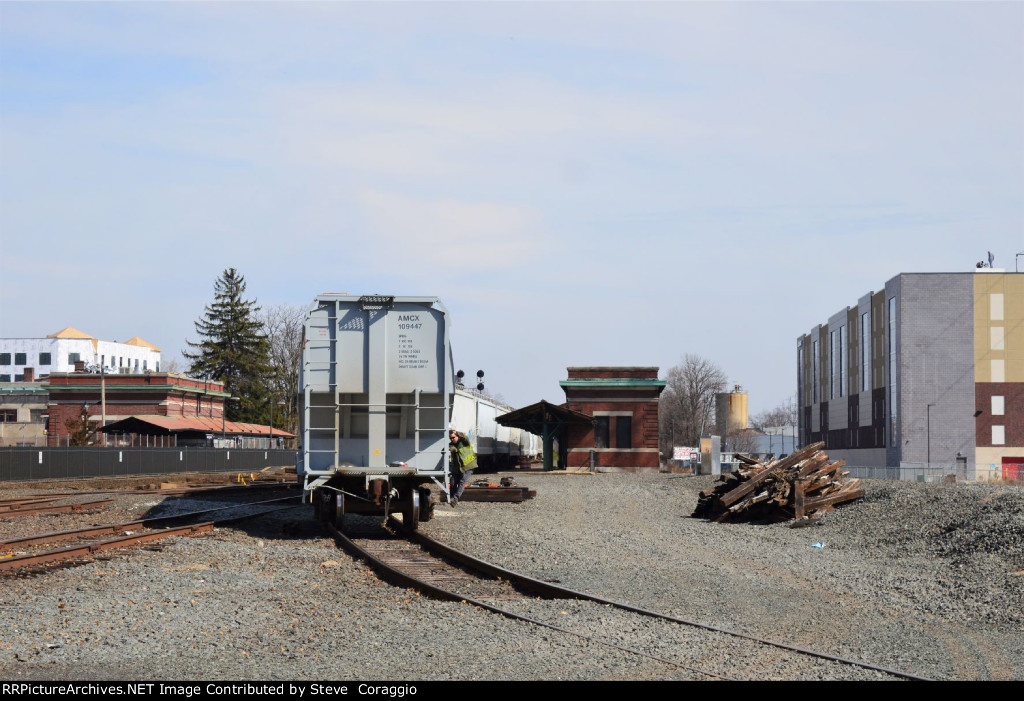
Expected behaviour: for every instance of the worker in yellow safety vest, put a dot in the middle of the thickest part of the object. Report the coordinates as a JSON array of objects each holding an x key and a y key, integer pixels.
[{"x": 463, "y": 463}]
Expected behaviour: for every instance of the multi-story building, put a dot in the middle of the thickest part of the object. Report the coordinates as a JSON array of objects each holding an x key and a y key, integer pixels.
[
  {"x": 59, "y": 352},
  {"x": 23, "y": 411},
  {"x": 927, "y": 373},
  {"x": 108, "y": 399}
]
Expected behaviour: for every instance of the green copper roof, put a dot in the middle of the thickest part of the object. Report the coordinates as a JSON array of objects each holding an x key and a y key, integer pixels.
[{"x": 612, "y": 382}]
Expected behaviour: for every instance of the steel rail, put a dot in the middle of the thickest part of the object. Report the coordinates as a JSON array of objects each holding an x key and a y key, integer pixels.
[
  {"x": 74, "y": 551},
  {"x": 19, "y": 504},
  {"x": 86, "y": 549},
  {"x": 396, "y": 575},
  {"x": 556, "y": 591},
  {"x": 67, "y": 508},
  {"x": 58, "y": 536}
]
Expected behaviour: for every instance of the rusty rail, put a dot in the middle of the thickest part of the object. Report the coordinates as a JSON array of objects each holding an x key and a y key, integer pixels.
[
  {"x": 75, "y": 551},
  {"x": 65, "y": 509},
  {"x": 550, "y": 591}
]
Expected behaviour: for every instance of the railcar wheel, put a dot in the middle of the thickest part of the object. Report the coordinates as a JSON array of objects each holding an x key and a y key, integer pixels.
[
  {"x": 318, "y": 513},
  {"x": 338, "y": 510},
  {"x": 411, "y": 512},
  {"x": 426, "y": 504}
]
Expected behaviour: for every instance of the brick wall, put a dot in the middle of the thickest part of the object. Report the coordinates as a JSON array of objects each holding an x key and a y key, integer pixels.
[{"x": 588, "y": 373}]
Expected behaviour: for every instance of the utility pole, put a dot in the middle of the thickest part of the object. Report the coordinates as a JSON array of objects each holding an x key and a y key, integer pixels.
[{"x": 928, "y": 411}]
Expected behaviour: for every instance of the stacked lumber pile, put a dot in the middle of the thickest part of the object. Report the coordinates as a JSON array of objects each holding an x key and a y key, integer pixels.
[{"x": 800, "y": 485}]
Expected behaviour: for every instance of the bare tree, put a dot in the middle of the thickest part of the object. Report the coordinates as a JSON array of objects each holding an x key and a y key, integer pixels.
[
  {"x": 283, "y": 326},
  {"x": 172, "y": 366},
  {"x": 688, "y": 402},
  {"x": 743, "y": 440},
  {"x": 785, "y": 414}
]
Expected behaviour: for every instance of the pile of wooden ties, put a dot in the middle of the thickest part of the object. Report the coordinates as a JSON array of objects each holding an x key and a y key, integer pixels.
[
  {"x": 803, "y": 484},
  {"x": 504, "y": 490}
]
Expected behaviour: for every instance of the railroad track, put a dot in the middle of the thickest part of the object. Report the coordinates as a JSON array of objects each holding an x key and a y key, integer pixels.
[
  {"x": 412, "y": 559},
  {"x": 13, "y": 558},
  {"x": 31, "y": 508}
]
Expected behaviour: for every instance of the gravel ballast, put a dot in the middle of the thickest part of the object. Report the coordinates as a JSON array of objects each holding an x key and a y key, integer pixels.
[{"x": 923, "y": 578}]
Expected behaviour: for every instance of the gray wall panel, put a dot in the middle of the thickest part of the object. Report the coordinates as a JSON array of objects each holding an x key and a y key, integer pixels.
[{"x": 937, "y": 366}]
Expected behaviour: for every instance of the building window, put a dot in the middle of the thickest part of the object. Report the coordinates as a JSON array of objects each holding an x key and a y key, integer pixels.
[
  {"x": 601, "y": 432},
  {"x": 5, "y": 378},
  {"x": 145, "y": 364},
  {"x": 998, "y": 435},
  {"x": 5, "y": 358},
  {"x": 37, "y": 416},
  {"x": 998, "y": 370},
  {"x": 623, "y": 431},
  {"x": 997, "y": 339},
  {"x": 814, "y": 374},
  {"x": 841, "y": 362},
  {"x": 996, "y": 306},
  {"x": 19, "y": 378},
  {"x": 998, "y": 405},
  {"x": 801, "y": 381},
  {"x": 21, "y": 358},
  {"x": 893, "y": 400},
  {"x": 74, "y": 358},
  {"x": 865, "y": 353},
  {"x": 832, "y": 365},
  {"x": 44, "y": 359},
  {"x": 8, "y": 416}
]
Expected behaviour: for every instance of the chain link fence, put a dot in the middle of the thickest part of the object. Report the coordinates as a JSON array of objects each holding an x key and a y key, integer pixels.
[{"x": 940, "y": 472}]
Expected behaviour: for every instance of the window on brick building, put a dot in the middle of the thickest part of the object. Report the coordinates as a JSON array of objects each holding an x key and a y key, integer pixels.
[
  {"x": 623, "y": 431},
  {"x": 601, "y": 432},
  {"x": 998, "y": 405},
  {"x": 998, "y": 435},
  {"x": 44, "y": 359},
  {"x": 21, "y": 358}
]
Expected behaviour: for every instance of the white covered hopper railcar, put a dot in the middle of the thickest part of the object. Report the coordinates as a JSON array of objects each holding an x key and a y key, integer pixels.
[{"x": 376, "y": 387}]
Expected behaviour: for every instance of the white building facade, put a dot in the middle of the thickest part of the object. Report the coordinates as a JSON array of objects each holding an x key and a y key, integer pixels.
[{"x": 59, "y": 352}]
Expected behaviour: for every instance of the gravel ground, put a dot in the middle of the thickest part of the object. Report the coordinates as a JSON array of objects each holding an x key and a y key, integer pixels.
[{"x": 924, "y": 578}]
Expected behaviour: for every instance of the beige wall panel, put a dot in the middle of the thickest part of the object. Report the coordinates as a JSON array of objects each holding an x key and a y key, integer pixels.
[
  {"x": 989, "y": 461},
  {"x": 999, "y": 295}
]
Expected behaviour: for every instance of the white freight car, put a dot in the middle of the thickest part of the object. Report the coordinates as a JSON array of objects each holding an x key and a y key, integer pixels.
[
  {"x": 375, "y": 393},
  {"x": 498, "y": 447}
]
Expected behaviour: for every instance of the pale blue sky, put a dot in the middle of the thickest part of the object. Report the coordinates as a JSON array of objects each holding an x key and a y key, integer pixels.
[{"x": 581, "y": 183}]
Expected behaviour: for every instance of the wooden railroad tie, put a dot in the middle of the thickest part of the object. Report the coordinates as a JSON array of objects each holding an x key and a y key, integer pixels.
[{"x": 801, "y": 485}]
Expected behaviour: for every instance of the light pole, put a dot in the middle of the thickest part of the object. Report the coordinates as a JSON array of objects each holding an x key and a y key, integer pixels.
[
  {"x": 928, "y": 411},
  {"x": 223, "y": 418}
]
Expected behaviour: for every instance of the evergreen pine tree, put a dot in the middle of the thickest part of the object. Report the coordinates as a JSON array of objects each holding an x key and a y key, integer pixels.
[{"x": 234, "y": 350}]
